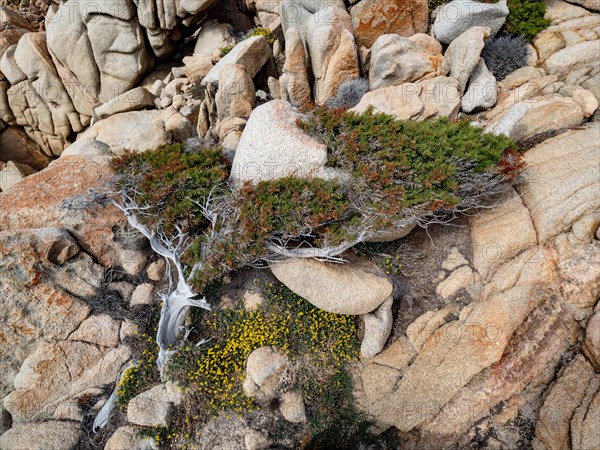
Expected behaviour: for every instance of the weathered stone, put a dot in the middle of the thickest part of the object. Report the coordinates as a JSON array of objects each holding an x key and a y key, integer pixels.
[
  {"x": 143, "y": 295},
  {"x": 39, "y": 202},
  {"x": 591, "y": 345},
  {"x": 572, "y": 58},
  {"x": 129, "y": 438},
  {"x": 16, "y": 146},
  {"x": 212, "y": 38},
  {"x": 458, "y": 350},
  {"x": 580, "y": 275},
  {"x": 33, "y": 311},
  {"x": 562, "y": 186},
  {"x": 151, "y": 408},
  {"x": 396, "y": 60},
  {"x": 454, "y": 259},
  {"x": 585, "y": 434},
  {"x": 292, "y": 407},
  {"x": 117, "y": 43},
  {"x": 428, "y": 99},
  {"x": 332, "y": 51},
  {"x": 529, "y": 360},
  {"x": 236, "y": 94},
  {"x": 13, "y": 173},
  {"x": 462, "y": 55},
  {"x": 457, "y": 280},
  {"x": 272, "y": 146},
  {"x": 136, "y": 130},
  {"x": 482, "y": 92},
  {"x": 553, "y": 425},
  {"x": 156, "y": 270},
  {"x": 378, "y": 326},
  {"x": 251, "y": 53},
  {"x": 353, "y": 288},
  {"x": 87, "y": 147},
  {"x": 294, "y": 84},
  {"x": 99, "y": 329},
  {"x": 41, "y": 436},
  {"x": 456, "y": 17},
  {"x": 61, "y": 372},
  {"x": 264, "y": 370},
  {"x": 547, "y": 115},
  {"x": 343, "y": 66},
  {"x": 133, "y": 100},
  {"x": 500, "y": 234},
  {"x": 586, "y": 99},
  {"x": 373, "y": 18}
]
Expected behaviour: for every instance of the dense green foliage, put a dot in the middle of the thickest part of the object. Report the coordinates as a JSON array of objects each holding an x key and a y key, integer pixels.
[
  {"x": 526, "y": 18},
  {"x": 405, "y": 164},
  {"x": 399, "y": 171},
  {"x": 170, "y": 177}
]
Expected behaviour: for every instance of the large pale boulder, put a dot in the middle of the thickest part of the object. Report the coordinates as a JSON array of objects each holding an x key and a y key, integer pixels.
[
  {"x": 53, "y": 435},
  {"x": 212, "y": 38},
  {"x": 327, "y": 32},
  {"x": 72, "y": 53},
  {"x": 374, "y": 18},
  {"x": 265, "y": 369},
  {"x": 566, "y": 189},
  {"x": 462, "y": 55},
  {"x": 456, "y": 17},
  {"x": 482, "y": 92},
  {"x": 428, "y": 99},
  {"x": 272, "y": 146},
  {"x": 251, "y": 53},
  {"x": 236, "y": 94},
  {"x": 294, "y": 83},
  {"x": 353, "y": 288},
  {"x": 135, "y": 130},
  {"x": 118, "y": 44},
  {"x": 151, "y": 408},
  {"x": 396, "y": 60}
]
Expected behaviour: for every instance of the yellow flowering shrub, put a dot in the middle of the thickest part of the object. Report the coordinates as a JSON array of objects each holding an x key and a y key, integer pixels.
[{"x": 213, "y": 374}]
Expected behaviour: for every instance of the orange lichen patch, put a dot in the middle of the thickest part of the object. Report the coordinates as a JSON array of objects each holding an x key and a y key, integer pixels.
[
  {"x": 20, "y": 329},
  {"x": 39, "y": 202},
  {"x": 3, "y": 338},
  {"x": 374, "y": 18},
  {"x": 59, "y": 299}
]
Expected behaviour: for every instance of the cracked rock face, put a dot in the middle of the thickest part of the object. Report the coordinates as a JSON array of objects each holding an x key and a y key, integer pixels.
[{"x": 539, "y": 282}]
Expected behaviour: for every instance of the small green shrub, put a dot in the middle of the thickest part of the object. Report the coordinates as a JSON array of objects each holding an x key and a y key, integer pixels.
[
  {"x": 169, "y": 178},
  {"x": 526, "y": 18},
  {"x": 260, "y": 31},
  {"x": 408, "y": 165},
  {"x": 225, "y": 50},
  {"x": 138, "y": 378}
]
